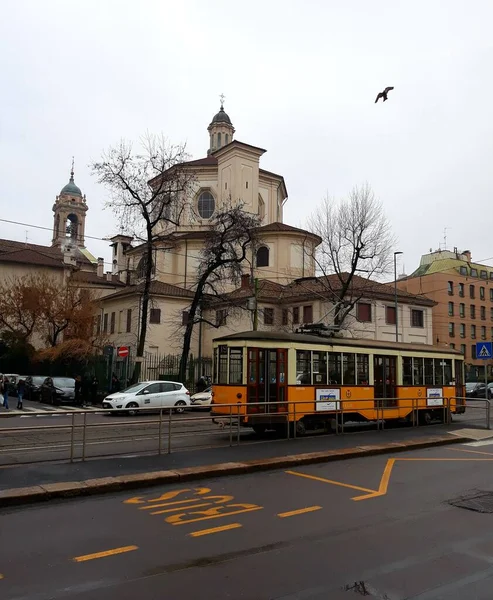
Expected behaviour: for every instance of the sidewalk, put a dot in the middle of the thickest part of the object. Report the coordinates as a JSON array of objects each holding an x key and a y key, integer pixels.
[{"x": 98, "y": 476}]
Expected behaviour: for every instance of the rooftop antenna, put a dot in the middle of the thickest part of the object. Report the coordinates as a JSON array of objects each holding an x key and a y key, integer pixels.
[
  {"x": 445, "y": 237},
  {"x": 27, "y": 234}
]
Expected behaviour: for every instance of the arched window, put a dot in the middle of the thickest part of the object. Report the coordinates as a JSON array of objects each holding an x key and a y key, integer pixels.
[
  {"x": 141, "y": 267},
  {"x": 206, "y": 205},
  {"x": 218, "y": 140},
  {"x": 261, "y": 207},
  {"x": 226, "y": 138},
  {"x": 263, "y": 256},
  {"x": 72, "y": 226}
]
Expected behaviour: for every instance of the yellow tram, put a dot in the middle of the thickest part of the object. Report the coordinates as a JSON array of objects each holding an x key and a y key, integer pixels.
[{"x": 270, "y": 379}]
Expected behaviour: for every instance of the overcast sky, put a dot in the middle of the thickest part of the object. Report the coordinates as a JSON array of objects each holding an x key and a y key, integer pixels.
[{"x": 300, "y": 79}]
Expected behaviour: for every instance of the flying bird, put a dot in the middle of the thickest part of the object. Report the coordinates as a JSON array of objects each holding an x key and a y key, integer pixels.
[{"x": 384, "y": 94}]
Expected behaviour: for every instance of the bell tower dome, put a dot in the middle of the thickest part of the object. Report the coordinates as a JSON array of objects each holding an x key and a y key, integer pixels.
[
  {"x": 221, "y": 130},
  {"x": 69, "y": 218}
]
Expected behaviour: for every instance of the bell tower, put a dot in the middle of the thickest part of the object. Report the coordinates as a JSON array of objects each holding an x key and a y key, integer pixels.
[
  {"x": 69, "y": 218},
  {"x": 221, "y": 130}
]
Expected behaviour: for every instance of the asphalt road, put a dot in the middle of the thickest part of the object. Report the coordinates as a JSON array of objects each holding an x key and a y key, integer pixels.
[
  {"x": 380, "y": 527},
  {"x": 28, "y": 438}
]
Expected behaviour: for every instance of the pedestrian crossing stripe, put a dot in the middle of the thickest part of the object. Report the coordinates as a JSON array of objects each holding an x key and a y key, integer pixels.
[
  {"x": 48, "y": 410},
  {"x": 484, "y": 352}
]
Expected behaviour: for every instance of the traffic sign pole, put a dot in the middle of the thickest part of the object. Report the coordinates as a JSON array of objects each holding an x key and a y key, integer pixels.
[{"x": 484, "y": 351}]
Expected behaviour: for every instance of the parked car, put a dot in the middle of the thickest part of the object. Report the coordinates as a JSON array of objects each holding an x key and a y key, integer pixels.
[
  {"x": 33, "y": 384},
  {"x": 149, "y": 394},
  {"x": 202, "y": 400},
  {"x": 477, "y": 389},
  {"x": 56, "y": 390}
]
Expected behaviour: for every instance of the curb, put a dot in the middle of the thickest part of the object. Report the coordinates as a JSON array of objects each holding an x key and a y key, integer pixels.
[{"x": 103, "y": 485}]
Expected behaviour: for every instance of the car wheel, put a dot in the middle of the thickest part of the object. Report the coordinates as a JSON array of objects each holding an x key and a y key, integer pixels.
[
  {"x": 180, "y": 407},
  {"x": 132, "y": 406}
]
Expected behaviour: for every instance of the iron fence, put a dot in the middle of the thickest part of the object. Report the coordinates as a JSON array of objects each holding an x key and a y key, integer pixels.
[{"x": 162, "y": 431}]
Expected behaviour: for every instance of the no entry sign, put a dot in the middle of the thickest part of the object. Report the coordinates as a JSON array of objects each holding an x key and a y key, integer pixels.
[{"x": 122, "y": 351}]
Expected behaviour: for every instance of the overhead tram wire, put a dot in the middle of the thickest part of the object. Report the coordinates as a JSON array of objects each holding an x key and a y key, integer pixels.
[{"x": 264, "y": 270}]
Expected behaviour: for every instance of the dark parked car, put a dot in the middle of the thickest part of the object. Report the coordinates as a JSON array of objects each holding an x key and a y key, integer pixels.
[
  {"x": 57, "y": 390},
  {"x": 33, "y": 383},
  {"x": 476, "y": 389}
]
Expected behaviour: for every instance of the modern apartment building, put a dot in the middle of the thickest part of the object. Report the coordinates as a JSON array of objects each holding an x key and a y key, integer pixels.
[{"x": 463, "y": 292}]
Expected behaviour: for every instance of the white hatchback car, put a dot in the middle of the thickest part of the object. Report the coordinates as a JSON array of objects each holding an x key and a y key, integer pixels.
[
  {"x": 149, "y": 394},
  {"x": 202, "y": 400}
]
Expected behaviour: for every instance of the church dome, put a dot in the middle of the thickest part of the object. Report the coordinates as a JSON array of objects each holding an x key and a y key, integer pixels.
[
  {"x": 71, "y": 189},
  {"x": 221, "y": 117}
]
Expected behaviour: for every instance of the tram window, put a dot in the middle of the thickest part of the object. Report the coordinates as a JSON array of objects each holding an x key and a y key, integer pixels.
[
  {"x": 335, "y": 370},
  {"x": 447, "y": 371},
  {"x": 235, "y": 365},
  {"x": 407, "y": 370},
  {"x": 362, "y": 369},
  {"x": 429, "y": 378},
  {"x": 438, "y": 371},
  {"x": 252, "y": 367},
  {"x": 418, "y": 371},
  {"x": 303, "y": 367},
  {"x": 223, "y": 364},
  {"x": 319, "y": 367},
  {"x": 348, "y": 369}
]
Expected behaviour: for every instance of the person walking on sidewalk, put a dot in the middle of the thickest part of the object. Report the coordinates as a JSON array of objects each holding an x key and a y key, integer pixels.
[
  {"x": 5, "y": 390},
  {"x": 21, "y": 388}
]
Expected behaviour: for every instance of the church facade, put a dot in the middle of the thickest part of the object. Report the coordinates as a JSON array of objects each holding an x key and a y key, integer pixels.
[{"x": 282, "y": 265}]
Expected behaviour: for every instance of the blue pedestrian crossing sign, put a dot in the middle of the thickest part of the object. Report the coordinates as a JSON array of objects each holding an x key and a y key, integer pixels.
[{"x": 484, "y": 350}]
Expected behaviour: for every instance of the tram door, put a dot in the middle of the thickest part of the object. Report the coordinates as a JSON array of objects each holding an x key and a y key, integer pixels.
[
  {"x": 384, "y": 369},
  {"x": 267, "y": 380}
]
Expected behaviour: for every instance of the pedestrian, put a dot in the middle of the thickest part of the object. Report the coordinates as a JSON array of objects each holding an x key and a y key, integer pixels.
[
  {"x": 115, "y": 384},
  {"x": 21, "y": 388},
  {"x": 85, "y": 390},
  {"x": 78, "y": 390},
  {"x": 94, "y": 390},
  {"x": 6, "y": 385}
]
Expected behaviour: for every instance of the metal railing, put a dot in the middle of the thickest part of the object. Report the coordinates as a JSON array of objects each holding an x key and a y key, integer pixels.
[{"x": 162, "y": 431}]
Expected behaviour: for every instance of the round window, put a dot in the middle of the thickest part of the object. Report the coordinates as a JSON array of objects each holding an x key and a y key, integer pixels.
[{"x": 206, "y": 205}]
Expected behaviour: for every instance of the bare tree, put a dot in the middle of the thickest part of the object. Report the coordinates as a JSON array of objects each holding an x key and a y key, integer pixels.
[
  {"x": 19, "y": 305},
  {"x": 149, "y": 193},
  {"x": 356, "y": 242},
  {"x": 231, "y": 237}
]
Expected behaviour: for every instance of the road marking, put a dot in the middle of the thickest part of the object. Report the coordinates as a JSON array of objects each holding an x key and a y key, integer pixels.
[
  {"x": 215, "y": 530},
  {"x": 473, "y": 452},
  {"x": 105, "y": 553},
  {"x": 212, "y": 513},
  {"x": 384, "y": 482},
  {"x": 168, "y": 510},
  {"x": 300, "y": 511},
  {"x": 323, "y": 480}
]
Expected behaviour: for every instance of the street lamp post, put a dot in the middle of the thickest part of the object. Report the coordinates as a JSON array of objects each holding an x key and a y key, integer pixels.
[{"x": 395, "y": 297}]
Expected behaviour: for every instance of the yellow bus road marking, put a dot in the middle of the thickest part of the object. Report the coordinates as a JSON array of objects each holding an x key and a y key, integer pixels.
[
  {"x": 215, "y": 530},
  {"x": 384, "y": 482},
  {"x": 168, "y": 510},
  {"x": 387, "y": 472},
  {"x": 472, "y": 451},
  {"x": 323, "y": 480},
  {"x": 105, "y": 553},
  {"x": 211, "y": 513},
  {"x": 300, "y": 511}
]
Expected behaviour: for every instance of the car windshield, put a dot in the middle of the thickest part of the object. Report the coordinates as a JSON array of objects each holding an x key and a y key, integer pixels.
[
  {"x": 63, "y": 382},
  {"x": 135, "y": 388},
  {"x": 470, "y": 386},
  {"x": 38, "y": 380}
]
